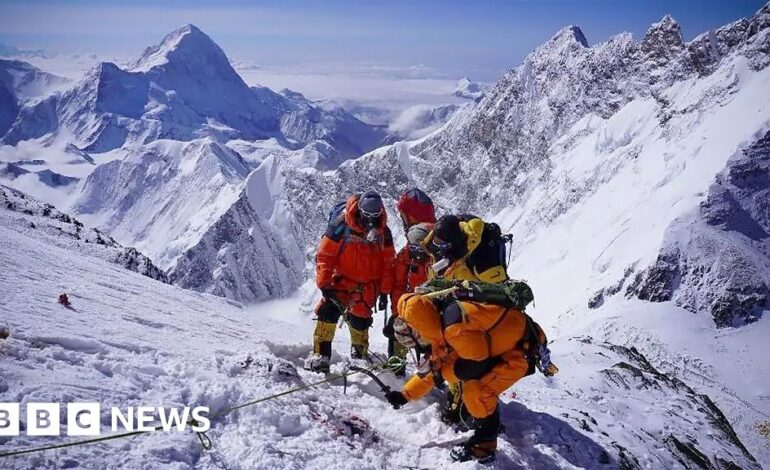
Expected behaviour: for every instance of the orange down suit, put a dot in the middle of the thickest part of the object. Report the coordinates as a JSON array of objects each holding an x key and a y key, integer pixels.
[
  {"x": 407, "y": 274},
  {"x": 356, "y": 269},
  {"x": 477, "y": 345}
]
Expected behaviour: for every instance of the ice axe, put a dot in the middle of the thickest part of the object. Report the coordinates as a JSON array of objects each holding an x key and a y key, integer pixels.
[{"x": 385, "y": 389}]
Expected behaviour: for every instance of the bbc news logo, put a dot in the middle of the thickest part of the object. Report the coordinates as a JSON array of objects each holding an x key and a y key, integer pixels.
[{"x": 84, "y": 419}]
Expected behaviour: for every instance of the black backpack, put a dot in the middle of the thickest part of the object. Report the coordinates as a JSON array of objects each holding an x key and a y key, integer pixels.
[{"x": 491, "y": 251}]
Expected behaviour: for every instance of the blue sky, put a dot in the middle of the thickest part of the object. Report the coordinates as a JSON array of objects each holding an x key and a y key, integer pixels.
[{"x": 453, "y": 38}]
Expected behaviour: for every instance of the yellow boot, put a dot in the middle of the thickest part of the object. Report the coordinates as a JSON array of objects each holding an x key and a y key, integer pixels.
[
  {"x": 359, "y": 340},
  {"x": 322, "y": 346}
]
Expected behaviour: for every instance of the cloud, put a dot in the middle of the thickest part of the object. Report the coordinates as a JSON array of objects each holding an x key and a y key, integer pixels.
[
  {"x": 374, "y": 92},
  {"x": 420, "y": 120}
]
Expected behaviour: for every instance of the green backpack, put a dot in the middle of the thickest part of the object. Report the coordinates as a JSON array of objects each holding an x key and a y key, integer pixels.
[{"x": 512, "y": 293}]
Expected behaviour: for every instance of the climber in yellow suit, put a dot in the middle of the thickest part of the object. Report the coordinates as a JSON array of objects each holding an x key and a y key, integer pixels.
[
  {"x": 465, "y": 247},
  {"x": 482, "y": 348},
  {"x": 457, "y": 251}
]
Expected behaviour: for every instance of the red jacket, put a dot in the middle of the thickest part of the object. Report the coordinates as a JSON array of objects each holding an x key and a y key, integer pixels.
[
  {"x": 407, "y": 274},
  {"x": 346, "y": 261}
]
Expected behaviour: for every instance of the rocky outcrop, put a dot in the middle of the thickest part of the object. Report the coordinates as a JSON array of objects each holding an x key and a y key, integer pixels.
[
  {"x": 718, "y": 260},
  {"x": 58, "y": 228}
]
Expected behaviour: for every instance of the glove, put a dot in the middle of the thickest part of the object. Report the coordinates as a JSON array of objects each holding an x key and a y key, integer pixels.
[
  {"x": 387, "y": 330},
  {"x": 327, "y": 293},
  {"x": 547, "y": 367},
  {"x": 396, "y": 399},
  {"x": 382, "y": 302}
]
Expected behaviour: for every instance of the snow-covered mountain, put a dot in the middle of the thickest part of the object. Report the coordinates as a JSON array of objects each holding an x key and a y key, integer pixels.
[
  {"x": 20, "y": 84},
  {"x": 182, "y": 89},
  {"x": 634, "y": 175},
  {"x": 156, "y": 148},
  {"x": 566, "y": 132},
  {"x": 630, "y": 169},
  {"x": 471, "y": 90}
]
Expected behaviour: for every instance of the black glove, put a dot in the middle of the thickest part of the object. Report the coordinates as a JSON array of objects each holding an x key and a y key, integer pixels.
[
  {"x": 382, "y": 302},
  {"x": 396, "y": 399},
  {"x": 387, "y": 330},
  {"x": 327, "y": 293}
]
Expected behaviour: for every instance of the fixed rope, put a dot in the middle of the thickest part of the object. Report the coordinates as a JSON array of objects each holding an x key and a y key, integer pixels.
[{"x": 204, "y": 439}]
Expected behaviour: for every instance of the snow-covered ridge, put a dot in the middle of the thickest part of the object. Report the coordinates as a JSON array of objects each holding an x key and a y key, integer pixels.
[
  {"x": 26, "y": 215},
  {"x": 561, "y": 137},
  {"x": 27, "y": 82},
  {"x": 184, "y": 88},
  {"x": 187, "y": 38},
  {"x": 163, "y": 196},
  {"x": 22, "y": 84}
]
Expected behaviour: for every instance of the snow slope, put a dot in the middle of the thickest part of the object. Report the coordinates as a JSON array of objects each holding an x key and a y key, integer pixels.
[
  {"x": 164, "y": 195},
  {"x": 128, "y": 340},
  {"x": 53, "y": 227}
]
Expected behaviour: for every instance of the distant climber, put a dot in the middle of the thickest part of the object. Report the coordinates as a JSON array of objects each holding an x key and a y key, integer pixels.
[
  {"x": 64, "y": 300},
  {"x": 354, "y": 269},
  {"x": 411, "y": 265},
  {"x": 482, "y": 345}
]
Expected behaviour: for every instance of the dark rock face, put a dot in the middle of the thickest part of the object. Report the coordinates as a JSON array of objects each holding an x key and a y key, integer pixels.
[
  {"x": 739, "y": 201},
  {"x": 133, "y": 260},
  {"x": 659, "y": 282},
  {"x": 663, "y": 42}
]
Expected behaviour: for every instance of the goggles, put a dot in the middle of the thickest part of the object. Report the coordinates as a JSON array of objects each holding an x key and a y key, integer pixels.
[{"x": 441, "y": 246}]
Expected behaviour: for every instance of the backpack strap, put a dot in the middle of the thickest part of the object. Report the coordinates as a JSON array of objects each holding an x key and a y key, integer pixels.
[
  {"x": 494, "y": 325},
  {"x": 530, "y": 343},
  {"x": 339, "y": 232}
]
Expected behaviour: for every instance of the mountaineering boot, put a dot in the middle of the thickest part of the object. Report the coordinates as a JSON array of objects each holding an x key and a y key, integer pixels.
[
  {"x": 359, "y": 340},
  {"x": 319, "y": 359},
  {"x": 482, "y": 446},
  {"x": 482, "y": 452},
  {"x": 317, "y": 363},
  {"x": 322, "y": 338},
  {"x": 454, "y": 412}
]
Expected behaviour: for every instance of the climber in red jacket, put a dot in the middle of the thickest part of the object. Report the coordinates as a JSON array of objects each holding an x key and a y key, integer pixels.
[{"x": 354, "y": 267}]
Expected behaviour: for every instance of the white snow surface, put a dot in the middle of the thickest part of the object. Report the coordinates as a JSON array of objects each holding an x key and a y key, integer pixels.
[{"x": 127, "y": 340}]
